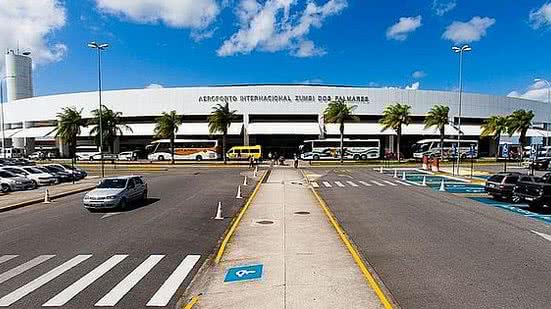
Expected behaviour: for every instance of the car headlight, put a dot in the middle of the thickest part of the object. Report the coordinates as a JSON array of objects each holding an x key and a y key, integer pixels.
[
  {"x": 18, "y": 182},
  {"x": 112, "y": 197},
  {"x": 86, "y": 197}
]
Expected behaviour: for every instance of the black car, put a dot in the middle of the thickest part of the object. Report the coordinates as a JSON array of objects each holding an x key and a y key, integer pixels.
[
  {"x": 500, "y": 186},
  {"x": 541, "y": 164},
  {"x": 59, "y": 174},
  {"x": 536, "y": 191}
]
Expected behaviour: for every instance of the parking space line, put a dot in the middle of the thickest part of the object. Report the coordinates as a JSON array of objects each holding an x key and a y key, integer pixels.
[
  {"x": 352, "y": 183},
  {"x": 403, "y": 183},
  {"x": 390, "y": 183},
  {"x": 5, "y": 258},
  {"x": 365, "y": 183},
  {"x": 315, "y": 184},
  {"x": 339, "y": 184},
  {"x": 327, "y": 184},
  {"x": 24, "y": 267},
  {"x": 377, "y": 183}
]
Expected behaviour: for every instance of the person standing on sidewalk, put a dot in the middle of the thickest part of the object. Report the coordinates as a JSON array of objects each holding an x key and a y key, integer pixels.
[
  {"x": 295, "y": 161},
  {"x": 251, "y": 162}
]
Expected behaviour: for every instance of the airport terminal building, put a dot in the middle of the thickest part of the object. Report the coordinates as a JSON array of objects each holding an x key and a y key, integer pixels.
[{"x": 278, "y": 117}]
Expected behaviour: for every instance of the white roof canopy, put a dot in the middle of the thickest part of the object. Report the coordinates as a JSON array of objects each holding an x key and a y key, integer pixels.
[
  {"x": 148, "y": 129},
  {"x": 37, "y": 132},
  {"x": 283, "y": 128}
]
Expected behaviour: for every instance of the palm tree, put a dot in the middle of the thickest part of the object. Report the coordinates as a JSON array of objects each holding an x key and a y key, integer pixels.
[
  {"x": 167, "y": 126},
  {"x": 394, "y": 116},
  {"x": 69, "y": 122},
  {"x": 112, "y": 125},
  {"x": 220, "y": 120},
  {"x": 438, "y": 117},
  {"x": 495, "y": 126},
  {"x": 340, "y": 112},
  {"x": 520, "y": 121}
]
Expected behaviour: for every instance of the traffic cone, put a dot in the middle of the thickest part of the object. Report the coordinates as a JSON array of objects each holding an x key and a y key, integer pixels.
[
  {"x": 47, "y": 197},
  {"x": 424, "y": 184},
  {"x": 381, "y": 170},
  {"x": 239, "y": 192},
  {"x": 395, "y": 173},
  {"x": 404, "y": 176},
  {"x": 219, "y": 212},
  {"x": 245, "y": 181},
  {"x": 442, "y": 186}
]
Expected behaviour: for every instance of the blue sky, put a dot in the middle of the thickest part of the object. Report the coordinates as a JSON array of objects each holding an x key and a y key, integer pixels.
[{"x": 350, "y": 42}]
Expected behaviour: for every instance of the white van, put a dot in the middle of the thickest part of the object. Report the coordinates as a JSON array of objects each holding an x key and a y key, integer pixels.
[{"x": 86, "y": 153}]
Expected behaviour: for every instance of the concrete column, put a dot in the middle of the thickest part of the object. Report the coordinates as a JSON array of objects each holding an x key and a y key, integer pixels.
[
  {"x": 62, "y": 147},
  {"x": 246, "y": 140},
  {"x": 117, "y": 145},
  {"x": 321, "y": 124}
]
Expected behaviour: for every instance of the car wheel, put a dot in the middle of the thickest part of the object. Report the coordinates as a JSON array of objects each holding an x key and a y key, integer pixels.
[
  {"x": 5, "y": 188},
  {"x": 35, "y": 184},
  {"x": 198, "y": 158},
  {"x": 123, "y": 204},
  {"x": 316, "y": 157},
  {"x": 144, "y": 196},
  {"x": 160, "y": 158}
]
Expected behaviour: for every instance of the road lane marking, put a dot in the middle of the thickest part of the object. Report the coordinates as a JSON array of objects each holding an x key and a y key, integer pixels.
[
  {"x": 377, "y": 183},
  {"x": 352, "y": 183},
  {"x": 42, "y": 280},
  {"x": 81, "y": 284},
  {"x": 403, "y": 183},
  {"x": 170, "y": 286},
  {"x": 5, "y": 258},
  {"x": 110, "y": 215},
  {"x": 315, "y": 185},
  {"x": 24, "y": 267},
  {"x": 545, "y": 236},
  {"x": 339, "y": 184},
  {"x": 365, "y": 183},
  {"x": 117, "y": 293},
  {"x": 327, "y": 184},
  {"x": 390, "y": 183}
]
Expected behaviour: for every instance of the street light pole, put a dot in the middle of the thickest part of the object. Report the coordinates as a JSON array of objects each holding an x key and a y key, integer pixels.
[
  {"x": 460, "y": 51},
  {"x": 100, "y": 47},
  {"x": 549, "y": 105},
  {"x": 2, "y": 123}
]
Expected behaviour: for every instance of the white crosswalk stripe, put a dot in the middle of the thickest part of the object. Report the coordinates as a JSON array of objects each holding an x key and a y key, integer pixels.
[
  {"x": 42, "y": 280},
  {"x": 403, "y": 183},
  {"x": 339, "y": 184},
  {"x": 377, "y": 183},
  {"x": 77, "y": 287},
  {"x": 390, "y": 183},
  {"x": 352, "y": 183},
  {"x": 327, "y": 184},
  {"x": 315, "y": 185},
  {"x": 24, "y": 267},
  {"x": 118, "y": 292},
  {"x": 5, "y": 258},
  {"x": 171, "y": 285},
  {"x": 365, "y": 183}
]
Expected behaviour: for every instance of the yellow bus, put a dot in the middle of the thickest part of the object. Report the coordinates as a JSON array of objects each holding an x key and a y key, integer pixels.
[{"x": 244, "y": 152}]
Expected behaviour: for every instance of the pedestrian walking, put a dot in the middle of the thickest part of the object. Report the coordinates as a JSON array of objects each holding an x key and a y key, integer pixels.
[
  {"x": 251, "y": 162},
  {"x": 296, "y": 161}
]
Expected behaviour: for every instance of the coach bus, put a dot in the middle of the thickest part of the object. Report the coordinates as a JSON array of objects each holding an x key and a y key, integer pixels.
[
  {"x": 354, "y": 149},
  {"x": 431, "y": 147},
  {"x": 184, "y": 149}
]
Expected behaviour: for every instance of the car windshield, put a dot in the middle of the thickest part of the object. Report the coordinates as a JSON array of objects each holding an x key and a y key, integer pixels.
[
  {"x": 496, "y": 178},
  {"x": 112, "y": 184},
  {"x": 33, "y": 170},
  {"x": 53, "y": 168},
  {"x": 6, "y": 174}
]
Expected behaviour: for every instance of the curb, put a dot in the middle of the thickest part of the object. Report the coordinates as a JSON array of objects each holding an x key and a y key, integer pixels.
[
  {"x": 40, "y": 200},
  {"x": 372, "y": 279}
]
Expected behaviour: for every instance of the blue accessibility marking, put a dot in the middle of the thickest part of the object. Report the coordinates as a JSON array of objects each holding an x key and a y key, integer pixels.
[
  {"x": 516, "y": 208},
  {"x": 244, "y": 273}
]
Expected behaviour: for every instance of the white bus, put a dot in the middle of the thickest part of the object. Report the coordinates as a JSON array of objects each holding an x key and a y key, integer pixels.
[
  {"x": 354, "y": 149},
  {"x": 184, "y": 149},
  {"x": 431, "y": 147},
  {"x": 86, "y": 152}
]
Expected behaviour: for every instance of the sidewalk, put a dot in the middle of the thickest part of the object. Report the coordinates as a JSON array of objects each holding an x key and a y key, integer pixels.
[
  {"x": 22, "y": 198},
  {"x": 305, "y": 264}
]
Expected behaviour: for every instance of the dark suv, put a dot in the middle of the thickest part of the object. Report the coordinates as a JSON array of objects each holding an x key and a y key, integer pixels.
[{"x": 500, "y": 186}]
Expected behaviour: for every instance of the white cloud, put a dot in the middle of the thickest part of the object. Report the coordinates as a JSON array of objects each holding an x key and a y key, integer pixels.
[
  {"x": 400, "y": 30},
  {"x": 466, "y": 32},
  {"x": 414, "y": 86},
  {"x": 30, "y": 24},
  {"x": 315, "y": 81},
  {"x": 418, "y": 74},
  {"x": 541, "y": 17},
  {"x": 192, "y": 14},
  {"x": 536, "y": 91},
  {"x": 277, "y": 25},
  {"x": 154, "y": 86},
  {"x": 441, "y": 7}
]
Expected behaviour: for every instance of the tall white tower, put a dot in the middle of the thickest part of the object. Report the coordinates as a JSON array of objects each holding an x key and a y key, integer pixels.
[{"x": 19, "y": 78}]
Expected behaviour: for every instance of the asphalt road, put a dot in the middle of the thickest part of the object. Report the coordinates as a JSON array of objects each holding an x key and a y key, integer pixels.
[
  {"x": 439, "y": 250},
  {"x": 116, "y": 259}
]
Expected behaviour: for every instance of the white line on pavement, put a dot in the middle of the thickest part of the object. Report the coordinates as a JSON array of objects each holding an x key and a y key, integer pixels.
[
  {"x": 339, "y": 184},
  {"x": 377, "y": 183},
  {"x": 77, "y": 287},
  {"x": 403, "y": 183},
  {"x": 24, "y": 267},
  {"x": 117, "y": 293},
  {"x": 315, "y": 185},
  {"x": 42, "y": 280},
  {"x": 171, "y": 285},
  {"x": 545, "y": 236},
  {"x": 5, "y": 258},
  {"x": 110, "y": 215},
  {"x": 352, "y": 183},
  {"x": 390, "y": 183},
  {"x": 328, "y": 185},
  {"x": 365, "y": 183}
]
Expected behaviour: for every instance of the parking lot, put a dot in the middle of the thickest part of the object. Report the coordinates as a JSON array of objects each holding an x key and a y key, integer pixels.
[{"x": 440, "y": 249}]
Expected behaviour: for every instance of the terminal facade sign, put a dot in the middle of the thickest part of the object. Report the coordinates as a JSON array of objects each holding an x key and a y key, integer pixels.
[{"x": 355, "y": 99}]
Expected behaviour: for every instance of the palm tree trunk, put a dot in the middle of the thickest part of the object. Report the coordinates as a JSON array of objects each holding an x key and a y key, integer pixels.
[
  {"x": 341, "y": 128},
  {"x": 497, "y": 138},
  {"x": 172, "y": 148},
  {"x": 398, "y": 137},
  {"x": 442, "y": 135},
  {"x": 224, "y": 147}
]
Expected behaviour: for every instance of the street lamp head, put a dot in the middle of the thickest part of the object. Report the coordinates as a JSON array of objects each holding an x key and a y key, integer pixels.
[
  {"x": 93, "y": 45},
  {"x": 103, "y": 46},
  {"x": 456, "y": 49},
  {"x": 466, "y": 48}
]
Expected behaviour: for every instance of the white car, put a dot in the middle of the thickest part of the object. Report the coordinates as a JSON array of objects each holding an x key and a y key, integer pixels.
[
  {"x": 12, "y": 182},
  {"x": 38, "y": 177},
  {"x": 128, "y": 156}
]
